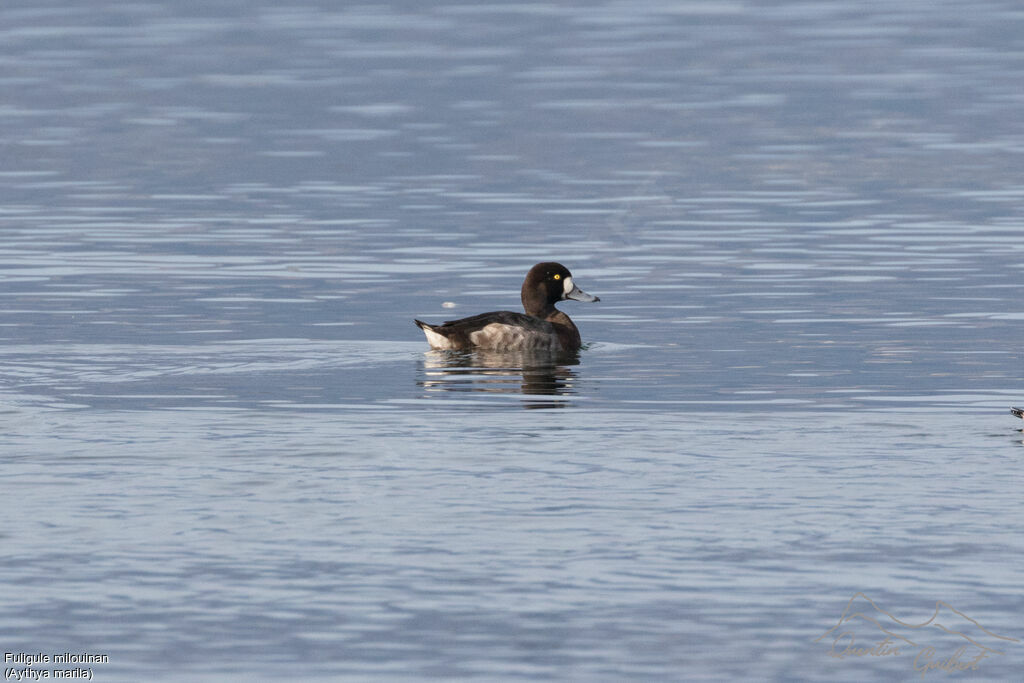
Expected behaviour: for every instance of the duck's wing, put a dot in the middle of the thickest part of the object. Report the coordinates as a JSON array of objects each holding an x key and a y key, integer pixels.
[{"x": 496, "y": 330}]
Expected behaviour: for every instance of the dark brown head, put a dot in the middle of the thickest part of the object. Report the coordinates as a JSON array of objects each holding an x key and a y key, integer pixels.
[{"x": 547, "y": 283}]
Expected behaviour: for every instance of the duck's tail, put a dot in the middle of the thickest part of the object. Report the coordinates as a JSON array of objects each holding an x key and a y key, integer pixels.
[{"x": 435, "y": 338}]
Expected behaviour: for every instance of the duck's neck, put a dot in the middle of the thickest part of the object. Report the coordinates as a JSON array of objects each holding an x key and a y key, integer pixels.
[
  {"x": 537, "y": 305},
  {"x": 542, "y": 311}
]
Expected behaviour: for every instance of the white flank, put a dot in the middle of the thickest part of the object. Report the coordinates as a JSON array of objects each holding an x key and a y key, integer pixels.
[{"x": 512, "y": 338}]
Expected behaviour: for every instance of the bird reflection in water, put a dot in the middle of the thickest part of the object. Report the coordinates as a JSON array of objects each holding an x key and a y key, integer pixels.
[{"x": 495, "y": 372}]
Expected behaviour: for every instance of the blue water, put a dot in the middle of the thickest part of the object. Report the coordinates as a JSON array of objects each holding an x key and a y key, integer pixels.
[{"x": 228, "y": 454}]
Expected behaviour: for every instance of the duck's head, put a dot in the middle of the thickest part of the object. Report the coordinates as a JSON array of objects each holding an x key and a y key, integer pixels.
[{"x": 547, "y": 283}]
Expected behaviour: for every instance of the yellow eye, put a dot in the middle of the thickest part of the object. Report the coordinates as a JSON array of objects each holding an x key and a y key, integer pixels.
[{"x": 557, "y": 276}]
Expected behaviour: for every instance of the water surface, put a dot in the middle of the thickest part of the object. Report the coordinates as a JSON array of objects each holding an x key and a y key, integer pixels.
[{"x": 228, "y": 453}]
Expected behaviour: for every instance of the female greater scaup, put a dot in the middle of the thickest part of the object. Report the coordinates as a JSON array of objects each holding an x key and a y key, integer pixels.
[{"x": 542, "y": 328}]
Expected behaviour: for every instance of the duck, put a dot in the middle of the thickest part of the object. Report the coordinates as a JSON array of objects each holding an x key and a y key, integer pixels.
[
  {"x": 1019, "y": 412},
  {"x": 541, "y": 328}
]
